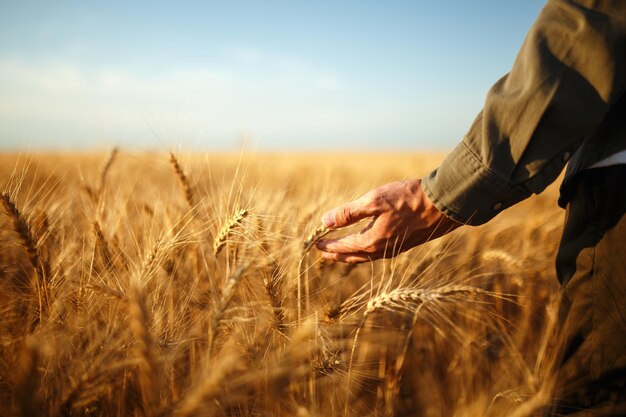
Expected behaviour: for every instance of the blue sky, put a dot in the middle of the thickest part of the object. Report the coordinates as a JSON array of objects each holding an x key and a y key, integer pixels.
[{"x": 285, "y": 75}]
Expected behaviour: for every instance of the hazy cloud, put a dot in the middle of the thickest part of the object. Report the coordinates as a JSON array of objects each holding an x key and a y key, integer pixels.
[{"x": 63, "y": 100}]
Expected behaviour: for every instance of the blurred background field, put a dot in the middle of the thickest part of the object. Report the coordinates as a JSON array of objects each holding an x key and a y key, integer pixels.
[{"x": 155, "y": 284}]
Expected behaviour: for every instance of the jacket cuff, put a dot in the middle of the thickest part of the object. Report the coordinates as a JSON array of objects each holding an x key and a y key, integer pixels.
[{"x": 464, "y": 189}]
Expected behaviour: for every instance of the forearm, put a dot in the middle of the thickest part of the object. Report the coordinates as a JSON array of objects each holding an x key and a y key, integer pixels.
[{"x": 568, "y": 73}]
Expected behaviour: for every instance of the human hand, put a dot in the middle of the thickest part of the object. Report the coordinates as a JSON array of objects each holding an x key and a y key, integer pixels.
[{"x": 403, "y": 217}]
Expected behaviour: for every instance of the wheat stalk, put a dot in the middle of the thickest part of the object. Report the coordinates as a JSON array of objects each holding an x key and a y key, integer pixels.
[
  {"x": 106, "y": 167},
  {"x": 103, "y": 289},
  {"x": 182, "y": 179},
  {"x": 41, "y": 227},
  {"x": 96, "y": 195},
  {"x": 223, "y": 303},
  {"x": 150, "y": 368},
  {"x": 23, "y": 230},
  {"x": 208, "y": 388},
  {"x": 152, "y": 259},
  {"x": 29, "y": 243},
  {"x": 303, "y": 281},
  {"x": 347, "y": 306},
  {"x": 227, "y": 229},
  {"x": 408, "y": 298},
  {"x": 28, "y": 380},
  {"x": 295, "y": 360},
  {"x": 273, "y": 285},
  {"x": 102, "y": 246},
  {"x": 314, "y": 237},
  {"x": 502, "y": 256}
]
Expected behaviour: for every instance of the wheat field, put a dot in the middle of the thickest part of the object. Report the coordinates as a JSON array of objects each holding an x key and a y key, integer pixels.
[{"x": 161, "y": 284}]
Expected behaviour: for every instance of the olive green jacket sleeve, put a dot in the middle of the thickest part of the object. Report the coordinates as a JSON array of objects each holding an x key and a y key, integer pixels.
[{"x": 567, "y": 75}]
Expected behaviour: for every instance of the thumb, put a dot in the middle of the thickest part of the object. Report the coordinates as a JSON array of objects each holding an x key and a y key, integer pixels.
[{"x": 348, "y": 213}]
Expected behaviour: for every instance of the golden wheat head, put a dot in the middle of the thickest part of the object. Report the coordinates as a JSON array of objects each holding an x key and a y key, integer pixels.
[{"x": 227, "y": 229}]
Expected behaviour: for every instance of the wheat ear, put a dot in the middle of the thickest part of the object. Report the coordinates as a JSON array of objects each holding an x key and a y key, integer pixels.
[
  {"x": 106, "y": 167},
  {"x": 102, "y": 246},
  {"x": 406, "y": 299},
  {"x": 303, "y": 282},
  {"x": 30, "y": 244},
  {"x": 314, "y": 237},
  {"x": 182, "y": 179},
  {"x": 273, "y": 285},
  {"x": 227, "y": 229}
]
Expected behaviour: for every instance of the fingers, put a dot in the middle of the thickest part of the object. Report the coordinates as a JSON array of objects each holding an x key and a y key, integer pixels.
[
  {"x": 348, "y": 258},
  {"x": 349, "y": 213},
  {"x": 353, "y": 249},
  {"x": 349, "y": 244},
  {"x": 335, "y": 252},
  {"x": 369, "y": 240}
]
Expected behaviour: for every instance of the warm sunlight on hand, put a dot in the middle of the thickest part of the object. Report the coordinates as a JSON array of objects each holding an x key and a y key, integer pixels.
[{"x": 402, "y": 218}]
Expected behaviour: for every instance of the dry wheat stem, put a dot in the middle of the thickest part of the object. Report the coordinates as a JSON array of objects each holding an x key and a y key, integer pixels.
[
  {"x": 227, "y": 229},
  {"x": 209, "y": 387},
  {"x": 107, "y": 291},
  {"x": 28, "y": 380},
  {"x": 352, "y": 304},
  {"x": 150, "y": 369},
  {"x": 94, "y": 373},
  {"x": 223, "y": 303},
  {"x": 41, "y": 227},
  {"x": 299, "y": 349}
]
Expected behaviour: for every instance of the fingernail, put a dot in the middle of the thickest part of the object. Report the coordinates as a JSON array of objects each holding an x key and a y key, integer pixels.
[
  {"x": 321, "y": 245},
  {"x": 329, "y": 219}
]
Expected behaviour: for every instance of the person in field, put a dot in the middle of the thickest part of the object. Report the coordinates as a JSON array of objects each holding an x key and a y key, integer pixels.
[{"x": 563, "y": 103}]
